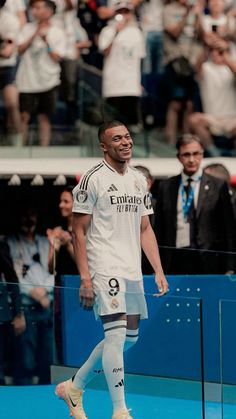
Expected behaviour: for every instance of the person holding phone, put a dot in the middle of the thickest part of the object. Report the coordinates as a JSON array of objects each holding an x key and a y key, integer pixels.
[
  {"x": 214, "y": 24},
  {"x": 123, "y": 46}
]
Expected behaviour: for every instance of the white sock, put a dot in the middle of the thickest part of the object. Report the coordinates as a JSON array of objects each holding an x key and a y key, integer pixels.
[
  {"x": 90, "y": 368},
  {"x": 93, "y": 365},
  {"x": 113, "y": 361},
  {"x": 131, "y": 338}
]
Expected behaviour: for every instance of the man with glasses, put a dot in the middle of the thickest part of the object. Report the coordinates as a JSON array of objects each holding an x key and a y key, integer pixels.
[{"x": 194, "y": 218}]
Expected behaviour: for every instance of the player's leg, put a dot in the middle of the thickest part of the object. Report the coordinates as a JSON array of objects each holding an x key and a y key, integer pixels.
[
  {"x": 93, "y": 365},
  {"x": 132, "y": 331},
  {"x": 104, "y": 301},
  {"x": 113, "y": 359},
  {"x": 109, "y": 353}
]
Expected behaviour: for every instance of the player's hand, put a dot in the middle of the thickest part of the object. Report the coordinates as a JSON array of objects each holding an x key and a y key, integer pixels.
[
  {"x": 162, "y": 284},
  {"x": 86, "y": 295}
]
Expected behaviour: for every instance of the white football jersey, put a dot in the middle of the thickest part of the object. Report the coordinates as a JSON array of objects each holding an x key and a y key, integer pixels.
[{"x": 117, "y": 203}]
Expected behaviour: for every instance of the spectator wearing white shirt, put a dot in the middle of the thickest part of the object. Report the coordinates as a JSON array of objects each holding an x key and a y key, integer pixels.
[
  {"x": 76, "y": 40},
  {"x": 123, "y": 46},
  {"x": 213, "y": 23},
  {"x": 218, "y": 95},
  {"x": 18, "y": 9},
  {"x": 41, "y": 45}
]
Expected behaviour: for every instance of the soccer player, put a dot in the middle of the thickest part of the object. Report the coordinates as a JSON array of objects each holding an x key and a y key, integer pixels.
[{"x": 110, "y": 225}]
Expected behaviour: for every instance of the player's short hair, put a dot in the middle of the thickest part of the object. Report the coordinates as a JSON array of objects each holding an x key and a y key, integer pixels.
[
  {"x": 2, "y": 3},
  {"x": 107, "y": 125},
  {"x": 187, "y": 139},
  {"x": 49, "y": 3}
]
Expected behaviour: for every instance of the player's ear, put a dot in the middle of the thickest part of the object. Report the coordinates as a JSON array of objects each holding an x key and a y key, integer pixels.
[{"x": 103, "y": 146}]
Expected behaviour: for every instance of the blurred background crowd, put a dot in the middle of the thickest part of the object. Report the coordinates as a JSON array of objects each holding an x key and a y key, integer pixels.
[{"x": 152, "y": 64}]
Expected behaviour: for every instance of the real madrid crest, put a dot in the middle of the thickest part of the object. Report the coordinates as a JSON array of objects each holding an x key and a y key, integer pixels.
[
  {"x": 114, "y": 303},
  {"x": 81, "y": 196},
  {"x": 148, "y": 201}
]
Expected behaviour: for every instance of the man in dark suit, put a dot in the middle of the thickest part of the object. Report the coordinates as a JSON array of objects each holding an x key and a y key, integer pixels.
[
  {"x": 11, "y": 314},
  {"x": 194, "y": 220}
]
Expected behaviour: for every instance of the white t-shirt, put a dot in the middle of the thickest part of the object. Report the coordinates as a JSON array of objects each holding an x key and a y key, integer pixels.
[
  {"x": 208, "y": 21},
  {"x": 151, "y": 14},
  {"x": 9, "y": 29},
  {"x": 117, "y": 204},
  {"x": 14, "y": 6},
  {"x": 67, "y": 20},
  {"x": 37, "y": 71},
  {"x": 122, "y": 66},
  {"x": 22, "y": 252},
  {"x": 218, "y": 90}
]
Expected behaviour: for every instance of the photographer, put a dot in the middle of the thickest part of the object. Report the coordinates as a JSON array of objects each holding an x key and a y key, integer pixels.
[
  {"x": 214, "y": 24},
  {"x": 30, "y": 252},
  {"x": 123, "y": 46},
  {"x": 181, "y": 50},
  {"x": 9, "y": 27}
]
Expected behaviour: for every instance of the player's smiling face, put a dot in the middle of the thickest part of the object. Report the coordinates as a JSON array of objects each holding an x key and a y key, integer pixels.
[{"x": 117, "y": 144}]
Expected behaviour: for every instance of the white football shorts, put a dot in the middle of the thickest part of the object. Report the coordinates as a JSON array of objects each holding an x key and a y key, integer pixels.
[{"x": 118, "y": 295}]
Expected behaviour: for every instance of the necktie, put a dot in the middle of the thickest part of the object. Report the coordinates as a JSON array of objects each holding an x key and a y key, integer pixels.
[
  {"x": 188, "y": 187},
  {"x": 191, "y": 213}
]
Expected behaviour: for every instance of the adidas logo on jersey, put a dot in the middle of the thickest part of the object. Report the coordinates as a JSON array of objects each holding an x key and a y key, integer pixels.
[{"x": 112, "y": 188}]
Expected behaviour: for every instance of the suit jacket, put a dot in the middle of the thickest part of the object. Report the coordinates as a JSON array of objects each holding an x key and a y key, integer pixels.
[
  {"x": 215, "y": 225},
  {"x": 10, "y": 300}
]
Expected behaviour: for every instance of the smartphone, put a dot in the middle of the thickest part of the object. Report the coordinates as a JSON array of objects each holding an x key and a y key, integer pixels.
[
  {"x": 119, "y": 17},
  {"x": 214, "y": 28}
]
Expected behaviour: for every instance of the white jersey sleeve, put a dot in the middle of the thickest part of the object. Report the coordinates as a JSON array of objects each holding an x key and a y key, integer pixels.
[
  {"x": 147, "y": 204},
  {"x": 84, "y": 196}
]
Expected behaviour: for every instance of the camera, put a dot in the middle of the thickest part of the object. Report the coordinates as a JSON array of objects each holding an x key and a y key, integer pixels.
[{"x": 214, "y": 28}]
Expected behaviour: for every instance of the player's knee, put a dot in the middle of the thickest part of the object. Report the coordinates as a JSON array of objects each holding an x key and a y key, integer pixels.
[
  {"x": 131, "y": 338},
  {"x": 115, "y": 333}
]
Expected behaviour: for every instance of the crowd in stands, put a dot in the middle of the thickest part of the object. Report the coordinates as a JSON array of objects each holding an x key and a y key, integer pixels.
[{"x": 166, "y": 63}]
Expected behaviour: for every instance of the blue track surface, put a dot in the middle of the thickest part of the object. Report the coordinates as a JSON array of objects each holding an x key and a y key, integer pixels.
[{"x": 39, "y": 402}]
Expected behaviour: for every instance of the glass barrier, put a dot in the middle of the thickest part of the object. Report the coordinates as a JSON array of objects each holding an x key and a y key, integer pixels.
[
  {"x": 164, "y": 367},
  {"x": 192, "y": 261},
  {"x": 228, "y": 347}
]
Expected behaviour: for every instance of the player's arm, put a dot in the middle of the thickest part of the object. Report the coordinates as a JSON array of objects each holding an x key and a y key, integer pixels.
[
  {"x": 150, "y": 248},
  {"x": 80, "y": 223}
]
